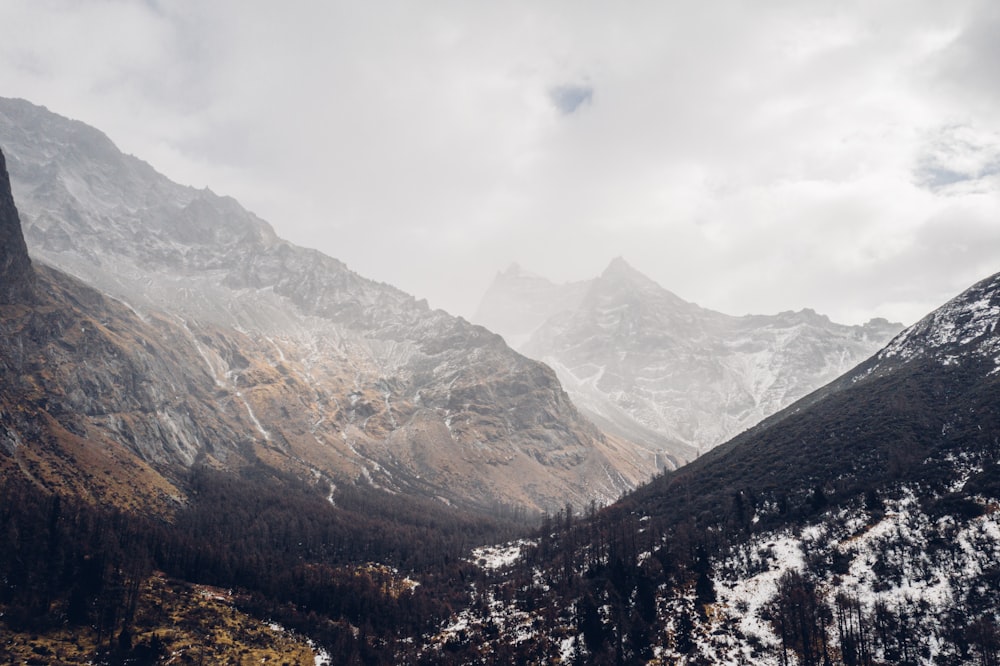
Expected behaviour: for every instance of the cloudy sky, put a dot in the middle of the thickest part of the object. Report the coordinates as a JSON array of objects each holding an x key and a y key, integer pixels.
[{"x": 750, "y": 156}]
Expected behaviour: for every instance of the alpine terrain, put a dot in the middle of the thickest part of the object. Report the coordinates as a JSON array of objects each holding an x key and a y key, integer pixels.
[
  {"x": 677, "y": 378},
  {"x": 218, "y": 447},
  {"x": 198, "y": 480},
  {"x": 278, "y": 352},
  {"x": 860, "y": 525}
]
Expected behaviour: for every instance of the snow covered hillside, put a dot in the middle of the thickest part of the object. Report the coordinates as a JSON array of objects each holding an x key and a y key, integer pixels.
[{"x": 647, "y": 365}]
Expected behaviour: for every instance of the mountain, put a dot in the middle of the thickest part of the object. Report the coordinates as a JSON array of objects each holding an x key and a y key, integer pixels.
[
  {"x": 221, "y": 459},
  {"x": 309, "y": 366},
  {"x": 16, "y": 275},
  {"x": 97, "y": 401},
  {"x": 649, "y": 366},
  {"x": 518, "y": 302},
  {"x": 860, "y": 525}
]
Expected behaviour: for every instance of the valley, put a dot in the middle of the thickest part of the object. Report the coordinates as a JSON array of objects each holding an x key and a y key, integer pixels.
[{"x": 219, "y": 447}]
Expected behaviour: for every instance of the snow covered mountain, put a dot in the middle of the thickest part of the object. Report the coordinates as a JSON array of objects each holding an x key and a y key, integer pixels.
[
  {"x": 643, "y": 363},
  {"x": 860, "y": 525},
  {"x": 322, "y": 372}
]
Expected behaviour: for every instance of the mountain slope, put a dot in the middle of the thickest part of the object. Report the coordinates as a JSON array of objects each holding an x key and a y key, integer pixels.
[
  {"x": 16, "y": 276},
  {"x": 96, "y": 401},
  {"x": 647, "y": 365},
  {"x": 927, "y": 399},
  {"x": 336, "y": 376},
  {"x": 861, "y": 525}
]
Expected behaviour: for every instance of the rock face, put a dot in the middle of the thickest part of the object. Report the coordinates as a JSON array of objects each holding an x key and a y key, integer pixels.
[
  {"x": 16, "y": 275},
  {"x": 649, "y": 366},
  {"x": 98, "y": 402},
  {"x": 317, "y": 369}
]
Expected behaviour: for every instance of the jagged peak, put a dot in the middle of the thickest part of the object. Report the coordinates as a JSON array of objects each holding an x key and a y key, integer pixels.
[
  {"x": 518, "y": 272},
  {"x": 620, "y": 270},
  {"x": 622, "y": 276},
  {"x": 513, "y": 270},
  {"x": 16, "y": 274},
  {"x": 805, "y": 315},
  {"x": 59, "y": 130},
  {"x": 619, "y": 266}
]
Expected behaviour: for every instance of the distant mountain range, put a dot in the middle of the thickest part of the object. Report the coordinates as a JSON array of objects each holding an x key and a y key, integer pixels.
[
  {"x": 297, "y": 360},
  {"x": 859, "y": 525},
  {"x": 651, "y": 367}
]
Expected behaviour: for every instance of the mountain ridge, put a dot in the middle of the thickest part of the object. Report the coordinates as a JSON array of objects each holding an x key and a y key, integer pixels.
[
  {"x": 858, "y": 525},
  {"x": 386, "y": 391},
  {"x": 646, "y": 364}
]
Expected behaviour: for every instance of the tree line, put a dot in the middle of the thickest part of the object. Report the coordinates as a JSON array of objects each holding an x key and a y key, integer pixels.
[{"x": 297, "y": 558}]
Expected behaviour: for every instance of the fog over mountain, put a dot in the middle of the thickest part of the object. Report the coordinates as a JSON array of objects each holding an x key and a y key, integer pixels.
[
  {"x": 317, "y": 369},
  {"x": 251, "y": 414},
  {"x": 860, "y": 525},
  {"x": 753, "y": 157},
  {"x": 643, "y": 363}
]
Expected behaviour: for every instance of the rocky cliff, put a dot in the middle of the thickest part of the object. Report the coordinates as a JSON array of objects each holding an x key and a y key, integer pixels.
[
  {"x": 16, "y": 276},
  {"x": 317, "y": 369}
]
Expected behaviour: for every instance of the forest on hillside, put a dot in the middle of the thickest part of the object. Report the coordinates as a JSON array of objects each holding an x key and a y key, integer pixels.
[{"x": 357, "y": 576}]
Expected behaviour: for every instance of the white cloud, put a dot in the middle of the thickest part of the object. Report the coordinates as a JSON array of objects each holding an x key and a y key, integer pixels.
[{"x": 751, "y": 157}]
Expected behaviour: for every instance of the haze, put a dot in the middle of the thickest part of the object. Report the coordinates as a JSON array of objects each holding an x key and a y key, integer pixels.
[{"x": 751, "y": 157}]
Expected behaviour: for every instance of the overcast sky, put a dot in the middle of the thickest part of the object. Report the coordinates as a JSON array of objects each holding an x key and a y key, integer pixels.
[{"x": 749, "y": 156}]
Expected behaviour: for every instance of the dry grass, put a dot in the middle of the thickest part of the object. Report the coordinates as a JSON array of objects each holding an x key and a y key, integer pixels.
[{"x": 195, "y": 625}]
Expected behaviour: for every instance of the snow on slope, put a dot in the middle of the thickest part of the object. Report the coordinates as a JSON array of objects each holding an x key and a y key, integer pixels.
[
  {"x": 674, "y": 377},
  {"x": 967, "y": 323}
]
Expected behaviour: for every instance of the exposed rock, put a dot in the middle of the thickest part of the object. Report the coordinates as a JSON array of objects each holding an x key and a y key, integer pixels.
[
  {"x": 647, "y": 365},
  {"x": 16, "y": 275},
  {"x": 317, "y": 369}
]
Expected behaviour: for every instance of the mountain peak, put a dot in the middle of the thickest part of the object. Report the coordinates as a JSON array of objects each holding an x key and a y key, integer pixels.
[
  {"x": 620, "y": 270},
  {"x": 16, "y": 274},
  {"x": 805, "y": 315},
  {"x": 619, "y": 266},
  {"x": 513, "y": 270},
  {"x": 621, "y": 278},
  {"x": 517, "y": 272}
]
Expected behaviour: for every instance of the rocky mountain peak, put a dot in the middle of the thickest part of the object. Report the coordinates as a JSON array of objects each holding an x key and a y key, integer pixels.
[
  {"x": 619, "y": 269},
  {"x": 16, "y": 274},
  {"x": 806, "y": 316},
  {"x": 619, "y": 264},
  {"x": 621, "y": 280},
  {"x": 516, "y": 274},
  {"x": 512, "y": 271}
]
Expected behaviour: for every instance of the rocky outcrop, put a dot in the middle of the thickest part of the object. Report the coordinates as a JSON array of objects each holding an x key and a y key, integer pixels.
[{"x": 16, "y": 276}]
